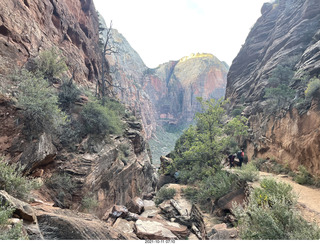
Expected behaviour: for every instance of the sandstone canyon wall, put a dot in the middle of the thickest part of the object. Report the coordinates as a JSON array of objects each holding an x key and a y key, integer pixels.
[
  {"x": 27, "y": 28},
  {"x": 287, "y": 31}
]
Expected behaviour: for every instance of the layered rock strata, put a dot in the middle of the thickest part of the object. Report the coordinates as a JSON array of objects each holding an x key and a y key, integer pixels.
[{"x": 287, "y": 31}]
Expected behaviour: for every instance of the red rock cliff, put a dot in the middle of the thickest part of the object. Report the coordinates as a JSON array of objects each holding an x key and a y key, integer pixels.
[{"x": 27, "y": 27}]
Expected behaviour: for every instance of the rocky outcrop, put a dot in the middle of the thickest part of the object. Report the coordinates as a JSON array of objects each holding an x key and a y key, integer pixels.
[
  {"x": 64, "y": 224},
  {"x": 127, "y": 69},
  {"x": 101, "y": 172},
  {"x": 155, "y": 229},
  {"x": 24, "y": 213},
  {"x": 28, "y": 27},
  {"x": 287, "y": 32},
  {"x": 96, "y": 168}
]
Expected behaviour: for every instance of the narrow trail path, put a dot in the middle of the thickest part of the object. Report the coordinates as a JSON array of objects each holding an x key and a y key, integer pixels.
[{"x": 308, "y": 197}]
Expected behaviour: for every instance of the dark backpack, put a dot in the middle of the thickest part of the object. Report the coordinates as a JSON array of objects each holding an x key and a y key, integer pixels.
[{"x": 239, "y": 154}]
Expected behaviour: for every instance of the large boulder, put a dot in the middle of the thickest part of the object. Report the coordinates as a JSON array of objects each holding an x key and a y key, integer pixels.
[
  {"x": 39, "y": 153},
  {"x": 222, "y": 232},
  {"x": 25, "y": 212},
  {"x": 150, "y": 209},
  {"x": 126, "y": 227},
  {"x": 22, "y": 209},
  {"x": 155, "y": 229},
  {"x": 225, "y": 203},
  {"x": 136, "y": 205},
  {"x": 64, "y": 224}
]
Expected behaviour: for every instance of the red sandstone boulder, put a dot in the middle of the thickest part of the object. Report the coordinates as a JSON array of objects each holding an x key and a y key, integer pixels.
[{"x": 136, "y": 205}]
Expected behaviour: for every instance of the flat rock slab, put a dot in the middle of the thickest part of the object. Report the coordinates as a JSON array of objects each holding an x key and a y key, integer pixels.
[
  {"x": 149, "y": 204},
  {"x": 124, "y": 226},
  {"x": 152, "y": 229},
  {"x": 150, "y": 213}
]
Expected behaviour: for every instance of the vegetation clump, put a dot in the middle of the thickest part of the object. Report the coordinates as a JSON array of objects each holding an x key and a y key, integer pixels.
[
  {"x": 200, "y": 149},
  {"x": 50, "y": 63},
  {"x": 63, "y": 185},
  {"x": 89, "y": 202},
  {"x": 248, "y": 172},
  {"x": 313, "y": 86},
  {"x": 303, "y": 177},
  {"x": 270, "y": 214},
  {"x": 8, "y": 232},
  {"x": 13, "y": 181},
  {"x": 39, "y": 103},
  {"x": 68, "y": 95},
  {"x": 163, "y": 194},
  {"x": 100, "y": 119},
  {"x": 280, "y": 94}
]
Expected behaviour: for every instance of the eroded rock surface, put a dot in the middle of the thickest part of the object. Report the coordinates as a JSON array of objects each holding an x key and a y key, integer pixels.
[{"x": 287, "y": 32}]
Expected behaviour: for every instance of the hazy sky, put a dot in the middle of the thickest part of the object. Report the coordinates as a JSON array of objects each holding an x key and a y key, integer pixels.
[{"x": 163, "y": 30}]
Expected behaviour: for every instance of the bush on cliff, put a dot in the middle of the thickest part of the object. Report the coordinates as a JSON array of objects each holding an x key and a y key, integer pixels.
[
  {"x": 248, "y": 172},
  {"x": 13, "y": 182},
  {"x": 270, "y": 214},
  {"x": 39, "y": 103},
  {"x": 101, "y": 119},
  {"x": 280, "y": 94},
  {"x": 13, "y": 233},
  {"x": 68, "y": 95},
  {"x": 313, "y": 86},
  {"x": 164, "y": 194},
  {"x": 50, "y": 63}
]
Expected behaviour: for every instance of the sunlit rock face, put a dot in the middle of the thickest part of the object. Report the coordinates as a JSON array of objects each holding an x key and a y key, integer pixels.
[
  {"x": 199, "y": 75},
  {"x": 287, "y": 31}
]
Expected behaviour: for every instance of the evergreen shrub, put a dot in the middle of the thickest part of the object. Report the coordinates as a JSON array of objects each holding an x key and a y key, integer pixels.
[
  {"x": 270, "y": 214},
  {"x": 100, "y": 120},
  {"x": 13, "y": 181},
  {"x": 164, "y": 194},
  {"x": 313, "y": 86},
  {"x": 39, "y": 103}
]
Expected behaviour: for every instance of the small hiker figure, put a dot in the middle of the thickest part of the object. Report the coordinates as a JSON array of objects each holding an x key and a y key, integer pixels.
[
  {"x": 231, "y": 160},
  {"x": 240, "y": 156}
]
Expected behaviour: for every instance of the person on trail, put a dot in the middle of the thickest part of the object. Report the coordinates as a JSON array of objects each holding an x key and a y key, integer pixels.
[
  {"x": 231, "y": 160},
  {"x": 240, "y": 156}
]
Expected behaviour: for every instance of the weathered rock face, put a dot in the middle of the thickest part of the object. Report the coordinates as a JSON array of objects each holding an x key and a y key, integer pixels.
[
  {"x": 96, "y": 168},
  {"x": 100, "y": 171},
  {"x": 127, "y": 69},
  {"x": 63, "y": 224},
  {"x": 27, "y": 27},
  {"x": 287, "y": 31},
  {"x": 174, "y": 86}
]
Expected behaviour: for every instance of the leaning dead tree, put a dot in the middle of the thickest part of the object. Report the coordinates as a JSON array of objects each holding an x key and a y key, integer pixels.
[{"x": 105, "y": 86}]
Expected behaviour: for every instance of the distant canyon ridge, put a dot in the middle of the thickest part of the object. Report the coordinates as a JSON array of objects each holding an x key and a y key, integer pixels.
[{"x": 166, "y": 95}]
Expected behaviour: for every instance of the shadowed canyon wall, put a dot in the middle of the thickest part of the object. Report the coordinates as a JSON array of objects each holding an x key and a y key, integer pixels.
[{"x": 288, "y": 31}]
